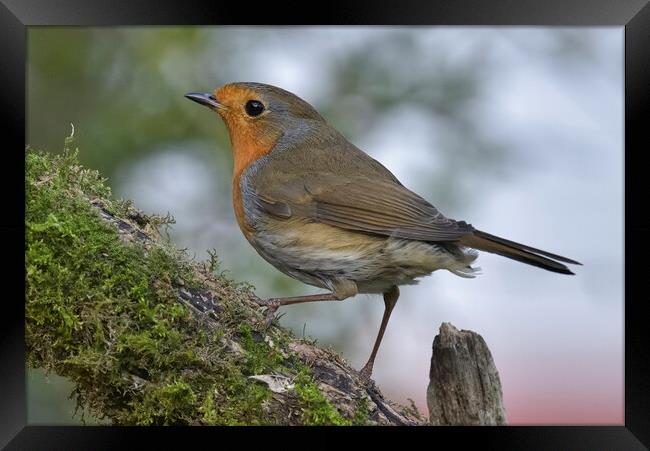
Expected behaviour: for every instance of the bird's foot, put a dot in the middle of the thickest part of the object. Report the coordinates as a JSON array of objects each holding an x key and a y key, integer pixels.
[{"x": 271, "y": 307}]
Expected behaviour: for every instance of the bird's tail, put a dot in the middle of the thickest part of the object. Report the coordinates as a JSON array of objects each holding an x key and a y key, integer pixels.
[{"x": 520, "y": 252}]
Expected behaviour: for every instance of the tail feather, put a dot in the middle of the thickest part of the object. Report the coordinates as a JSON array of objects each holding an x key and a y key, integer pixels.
[{"x": 520, "y": 252}]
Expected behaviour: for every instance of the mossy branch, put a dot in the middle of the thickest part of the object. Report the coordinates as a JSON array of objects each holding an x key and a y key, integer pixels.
[{"x": 147, "y": 335}]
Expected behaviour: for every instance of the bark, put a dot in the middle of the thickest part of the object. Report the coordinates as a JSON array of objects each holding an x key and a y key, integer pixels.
[{"x": 464, "y": 386}]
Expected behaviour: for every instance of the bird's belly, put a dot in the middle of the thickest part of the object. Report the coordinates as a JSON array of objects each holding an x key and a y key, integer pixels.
[{"x": 317, "y": 254}]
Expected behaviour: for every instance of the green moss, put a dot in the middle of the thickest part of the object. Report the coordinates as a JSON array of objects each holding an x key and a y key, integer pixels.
[
  {"x": 261, "y": 358},
  {"x": 166, "y": 404},
  {"x": 244, "y": 405},
  {"x": 103, "y": 313},
  {"x": 316, "y": 409},
  {"x": 266, "y": 359},
  {"x": 361, "y": 413}
]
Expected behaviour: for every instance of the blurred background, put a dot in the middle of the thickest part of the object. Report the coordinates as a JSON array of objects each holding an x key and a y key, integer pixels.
[{"x": 518, "y": 131}]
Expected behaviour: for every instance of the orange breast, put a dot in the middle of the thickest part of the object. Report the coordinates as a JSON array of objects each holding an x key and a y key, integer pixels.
[
  {"x": 248, "y": 146},
  {"x": 238, "y": 205}
]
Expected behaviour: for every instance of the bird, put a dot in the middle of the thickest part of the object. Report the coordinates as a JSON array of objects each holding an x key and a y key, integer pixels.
[{"x": 326, "y": 213}]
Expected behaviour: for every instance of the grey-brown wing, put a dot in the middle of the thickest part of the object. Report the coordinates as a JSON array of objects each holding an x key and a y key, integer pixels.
[{"x": 378, "y": 205}]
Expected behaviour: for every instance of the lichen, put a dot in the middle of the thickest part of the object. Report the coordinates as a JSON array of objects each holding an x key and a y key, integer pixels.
[{"x": 103, "y": 313}]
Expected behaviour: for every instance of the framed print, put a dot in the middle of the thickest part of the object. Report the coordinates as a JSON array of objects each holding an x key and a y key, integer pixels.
[{"x": 485, "y": 159}]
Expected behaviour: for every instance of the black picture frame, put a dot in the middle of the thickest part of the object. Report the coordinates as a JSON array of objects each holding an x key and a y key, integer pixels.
[{"x": 633, "y": 15}]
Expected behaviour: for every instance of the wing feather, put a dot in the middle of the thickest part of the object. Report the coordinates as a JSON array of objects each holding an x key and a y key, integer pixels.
[{"x": 379, "y": 206}]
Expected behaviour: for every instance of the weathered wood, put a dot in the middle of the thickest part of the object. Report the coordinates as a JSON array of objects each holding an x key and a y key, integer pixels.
[{"x": 464, "y": 386}]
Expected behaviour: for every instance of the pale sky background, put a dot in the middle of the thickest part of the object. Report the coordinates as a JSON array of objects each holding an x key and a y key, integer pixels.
[{"x": 557, "y": 340}]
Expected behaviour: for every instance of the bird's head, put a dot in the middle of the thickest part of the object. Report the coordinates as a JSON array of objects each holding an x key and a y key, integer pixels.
[{"x": 257, "y": 114}]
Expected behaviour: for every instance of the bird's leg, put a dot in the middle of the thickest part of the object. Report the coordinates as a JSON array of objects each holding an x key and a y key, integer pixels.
[
  {"x": 390, "y": 299},
  {"x": 342, "y": 290},
  {"x": 273, "y": 303}
]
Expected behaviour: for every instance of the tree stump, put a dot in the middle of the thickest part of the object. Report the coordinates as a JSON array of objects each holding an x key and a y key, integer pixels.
[{"x": 464, "y": 386}]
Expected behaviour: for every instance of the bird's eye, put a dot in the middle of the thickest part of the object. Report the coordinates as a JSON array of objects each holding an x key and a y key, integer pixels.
[{"x": 254, "y": 108}]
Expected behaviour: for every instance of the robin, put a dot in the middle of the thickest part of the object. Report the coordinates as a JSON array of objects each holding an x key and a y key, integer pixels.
[{"x": 322, "y": 211}]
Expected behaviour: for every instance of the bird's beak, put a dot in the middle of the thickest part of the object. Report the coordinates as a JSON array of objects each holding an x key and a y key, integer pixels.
[{"x": 205, "y": 99}]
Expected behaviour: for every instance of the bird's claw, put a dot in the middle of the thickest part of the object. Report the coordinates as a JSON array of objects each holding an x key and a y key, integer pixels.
[
  {"x": 270, "y": 315},
  {"x": 271, "y": 307}
]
